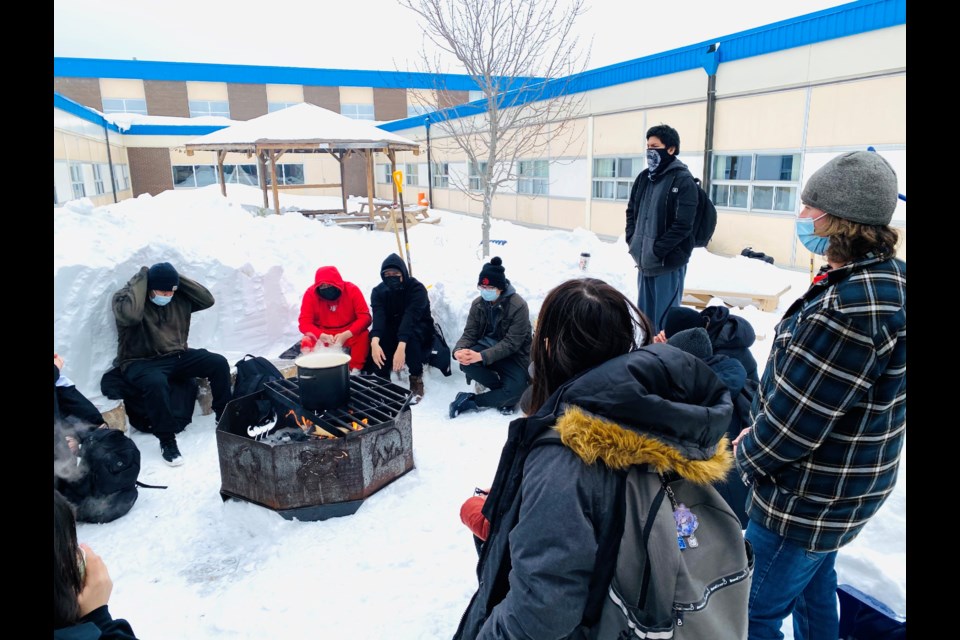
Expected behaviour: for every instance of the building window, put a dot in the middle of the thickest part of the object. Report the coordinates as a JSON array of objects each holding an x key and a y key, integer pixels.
[
  {"x": 441, "y": 175},
  {"x": 125, "y": 105},
  {"x": 411, "y": 174},
  {"x": 357, "y": 111},
  {"x": 613, "y": 177},
  {"x": 121, "y": 177},
  {"x": 242, "y": 174},
  {"x": 477, "y": 170},
  {"x": 76, "y": 181},
  {"x": 287, "y": 174},
  {"x": 191, "y": 176},
  {"x": 200, "y": 108},
  {"x": 383, "y": 174},
  {"x": 475, "y": 95},
  {"x": 98, "y": 178},
  {"x": 533, "y": 177},
  {"x": 277, "y": 106},
  {"x": 418, "y": 110},
  {"x": 756, "y": 182}
]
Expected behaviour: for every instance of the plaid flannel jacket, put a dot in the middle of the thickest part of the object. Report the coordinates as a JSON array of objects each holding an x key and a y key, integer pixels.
[{"x": 829, "y": 420}]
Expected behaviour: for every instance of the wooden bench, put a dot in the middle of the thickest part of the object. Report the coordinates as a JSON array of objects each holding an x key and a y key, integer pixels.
[
  {"x": 312, "y": 213},
  {"x": 700, "y": 298}
]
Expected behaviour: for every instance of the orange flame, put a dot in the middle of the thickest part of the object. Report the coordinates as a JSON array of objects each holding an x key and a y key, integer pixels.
[
  {"x": 358, "y": 427},
  {"x": 303, "y": 423}
]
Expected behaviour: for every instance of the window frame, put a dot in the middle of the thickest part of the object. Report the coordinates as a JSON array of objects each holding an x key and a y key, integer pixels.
[
  {"x": 748, "y": 188},
  {"x": 476, "y": 171},
  {"x": 411, "y": 176},
  {"x": 127, "y": 105},
  {"x": 353, "y": 110},
  {"x": 441, "y": 175},
  {"x": 197, "y": 112},
  {"x": 283, "y": 174},
  {"x": 618, "y": 179},
  {"x": 76, "y": 180},
  {"x": 530, "y": 182}
]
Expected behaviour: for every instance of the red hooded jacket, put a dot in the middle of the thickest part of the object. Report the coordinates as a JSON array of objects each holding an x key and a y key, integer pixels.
[{"x": 348, "y": 312}]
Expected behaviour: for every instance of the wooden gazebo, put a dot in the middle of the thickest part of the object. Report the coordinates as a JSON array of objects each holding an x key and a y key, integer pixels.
[{"x": 302, "y": 128}]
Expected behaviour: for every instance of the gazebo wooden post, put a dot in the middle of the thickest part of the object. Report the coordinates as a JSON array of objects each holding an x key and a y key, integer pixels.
[
  {"x": 223, "y": 179},
  {"x": 392, "y": 154},
  {"x": 262, "y": 172},
  {"x": 370, "y": 187},
  {"x": 273, "y": 181},
  {"x": 343, "y": 178}
]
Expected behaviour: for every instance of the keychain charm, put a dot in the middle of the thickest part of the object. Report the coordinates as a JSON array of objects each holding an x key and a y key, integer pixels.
[{"x": 686, "y": 524}]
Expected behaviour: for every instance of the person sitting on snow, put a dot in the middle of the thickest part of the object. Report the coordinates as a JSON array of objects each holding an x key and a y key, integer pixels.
[
  {"x": 334, "y": 314},
  {"x": 153, "y": 313},
  {"x": 730, "y": 335},
  {"x": 494, "y": 349},
  {"x": 402, "y": 331}
]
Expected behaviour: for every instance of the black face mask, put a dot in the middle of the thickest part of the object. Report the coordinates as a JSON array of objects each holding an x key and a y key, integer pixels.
[
  {"x": 329, "y": 293},
  {"x": 394, "y": 283}
]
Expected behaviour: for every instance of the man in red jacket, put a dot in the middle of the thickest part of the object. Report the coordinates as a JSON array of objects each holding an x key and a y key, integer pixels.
[{"x": 334, "y": 313}]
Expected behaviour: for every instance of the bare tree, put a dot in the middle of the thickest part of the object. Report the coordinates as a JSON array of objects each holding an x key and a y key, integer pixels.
[{"x": 521, "y": 54}]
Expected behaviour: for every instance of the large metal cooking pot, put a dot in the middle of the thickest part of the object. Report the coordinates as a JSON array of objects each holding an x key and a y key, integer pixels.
[{"x": 324, "y": 380}]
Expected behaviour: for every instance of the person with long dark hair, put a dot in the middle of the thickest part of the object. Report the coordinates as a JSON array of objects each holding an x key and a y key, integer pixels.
[
  {"x": 614, "y": 401},
  {"x": 81, "y": 585}
]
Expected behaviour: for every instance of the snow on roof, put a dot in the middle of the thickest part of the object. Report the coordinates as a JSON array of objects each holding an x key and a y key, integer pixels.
[{"x": 302, "y": 123}]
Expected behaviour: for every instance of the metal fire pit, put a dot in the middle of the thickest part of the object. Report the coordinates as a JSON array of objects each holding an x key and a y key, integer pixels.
[{"x": 313, "y": 478}]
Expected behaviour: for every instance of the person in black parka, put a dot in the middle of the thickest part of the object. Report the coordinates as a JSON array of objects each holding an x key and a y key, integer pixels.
[
  {"x": 730, "y": 335},
  {"x": 402, "y": 329},
  {"x": 696, "y": 342}
]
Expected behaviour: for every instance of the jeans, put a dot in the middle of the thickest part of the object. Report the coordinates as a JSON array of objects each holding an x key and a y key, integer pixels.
[
  {"x": 656, "y": 294},
  {"x": 788, "y": 579},
  {"x": 506, "y": 380}
]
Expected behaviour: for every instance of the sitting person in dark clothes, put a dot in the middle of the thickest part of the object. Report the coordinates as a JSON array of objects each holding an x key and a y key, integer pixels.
[
  {"x": 81, "y": 585},
  {"x": 494, "y": 349},
  {"x": 696, "y": 342},
  {"x": 153, "y": 314},
  {"x": 730, "y": 335},
  {"x": 74, "y": 416},
  {"x": 402, "y": 331}
]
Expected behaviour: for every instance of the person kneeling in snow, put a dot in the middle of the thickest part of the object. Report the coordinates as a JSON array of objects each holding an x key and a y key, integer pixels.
[
  {"x": 402, "y": 329},
  {"x": 334, "y": 314},
  {"x": 494, "y": 349}
]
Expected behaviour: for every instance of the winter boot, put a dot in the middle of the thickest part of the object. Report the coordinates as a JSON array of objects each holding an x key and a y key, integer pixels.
[
  {"x": 416, "y": 386},
  {"x": 170, "y": 451},
  {"x": 463, "y": 402}
]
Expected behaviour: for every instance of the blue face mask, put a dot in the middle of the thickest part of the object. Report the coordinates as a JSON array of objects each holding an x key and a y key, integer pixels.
[
  {"x": 805, "y": 232},
  {"x": 161, "y": 301},
  {"x": 489, "y": 294}
]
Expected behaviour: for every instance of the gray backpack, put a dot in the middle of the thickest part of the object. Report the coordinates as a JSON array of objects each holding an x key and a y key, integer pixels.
[{"x": 668, "y": 584}]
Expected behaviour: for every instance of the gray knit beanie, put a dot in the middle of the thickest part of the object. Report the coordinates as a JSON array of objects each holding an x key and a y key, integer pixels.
[
  {"x": 859, "y": 186},
  {"x": 694, "y": 341}
]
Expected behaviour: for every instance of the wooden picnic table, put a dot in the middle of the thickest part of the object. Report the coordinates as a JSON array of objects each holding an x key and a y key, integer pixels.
[{"x": 700, "y": 298}]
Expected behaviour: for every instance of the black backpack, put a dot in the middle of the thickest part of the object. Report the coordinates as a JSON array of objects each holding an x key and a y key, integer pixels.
[
  {"x": 706, "y": 221},
  {"x": 253, "y": 372},
  {"x": 108, "y": 470},
  {"x": 439, "y": 357}
]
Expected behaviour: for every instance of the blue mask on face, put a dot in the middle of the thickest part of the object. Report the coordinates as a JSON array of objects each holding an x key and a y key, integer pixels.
[
  {"x": 489, "y": 294},
  {"x": 805, "y": 232},
  {"x": 161, "y": 301}
]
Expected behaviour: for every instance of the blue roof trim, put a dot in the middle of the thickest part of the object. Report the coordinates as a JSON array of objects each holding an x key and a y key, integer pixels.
[
  {"x": 171, "y": 129},
  {"x": 82, "y": 112},
  {"x": 836, "y": 22},
  {"x": 208, "y": 72}
]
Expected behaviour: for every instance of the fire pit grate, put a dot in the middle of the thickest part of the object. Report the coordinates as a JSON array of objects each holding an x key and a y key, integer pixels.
[
  {"x": 373, "y": 402},
  {"x": 351, "y": 452}
]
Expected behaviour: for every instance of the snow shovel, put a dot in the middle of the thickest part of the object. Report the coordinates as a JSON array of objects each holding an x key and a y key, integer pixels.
[{"x": 398, "y": 180}]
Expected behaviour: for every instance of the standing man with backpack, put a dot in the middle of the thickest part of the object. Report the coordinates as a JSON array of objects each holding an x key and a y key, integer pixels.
[
  {"x": 153, "y": 313},
  {"x": 660, "y": 219}
]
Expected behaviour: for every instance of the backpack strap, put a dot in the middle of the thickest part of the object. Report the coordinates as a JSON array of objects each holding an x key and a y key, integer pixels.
[
  {"x": 647, "y": 528},
  {"x": 150, "y": 486}
]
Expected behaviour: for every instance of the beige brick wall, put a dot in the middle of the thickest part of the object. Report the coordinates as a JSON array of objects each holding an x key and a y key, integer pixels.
[
  {"x": 86, "y": 91},
  {"x": 326, "y": 97},
  {"x": 389, "y": 104},
  {"x": 149, "y": 170},
  {"x": 166, "y": 98},
  {"x": 247, "y": 101}
]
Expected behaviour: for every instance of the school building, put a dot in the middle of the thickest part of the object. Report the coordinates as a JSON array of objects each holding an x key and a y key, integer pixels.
[{"x": 757, "y": 111}]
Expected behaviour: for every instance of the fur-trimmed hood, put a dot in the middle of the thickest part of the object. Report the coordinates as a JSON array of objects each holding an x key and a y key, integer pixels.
[{"x": 657, "y": 406}]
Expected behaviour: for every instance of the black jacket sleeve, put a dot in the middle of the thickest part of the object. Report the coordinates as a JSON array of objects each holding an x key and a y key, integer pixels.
[
  {"x": 633, "y": 204},
  {"x": 379, "y": 311}
]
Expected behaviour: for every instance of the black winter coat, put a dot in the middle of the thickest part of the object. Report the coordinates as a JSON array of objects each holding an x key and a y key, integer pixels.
[
  {"x": 660, "y": 216},
  {"x": 732, "y": 336},
  {"x": 555, "y": 519},
  {"x": 402, "y": 315}
]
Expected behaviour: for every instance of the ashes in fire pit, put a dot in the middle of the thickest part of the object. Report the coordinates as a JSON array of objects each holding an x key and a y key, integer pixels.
[{"x": 313, "y": 466}]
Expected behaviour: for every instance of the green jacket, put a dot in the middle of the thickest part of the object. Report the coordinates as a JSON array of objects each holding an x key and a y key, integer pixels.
[
  {"x": 146, "y": 330},
  {"x": 513, "y": 331}
]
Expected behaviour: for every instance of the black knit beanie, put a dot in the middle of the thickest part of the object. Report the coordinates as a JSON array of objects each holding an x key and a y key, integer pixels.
[
  {"x": 493, "y": 274},
  {"x": 694, "y": 341},
  {"x": 680, "y": 318},
  {"x": 162, "y": 277}
]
